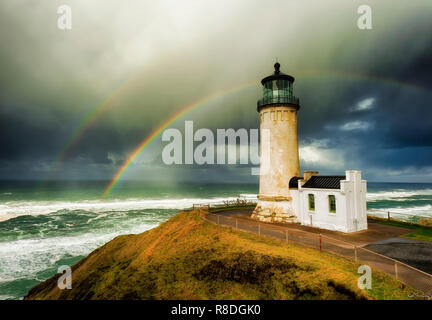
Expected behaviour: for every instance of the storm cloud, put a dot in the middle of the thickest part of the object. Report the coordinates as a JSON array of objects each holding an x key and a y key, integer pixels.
[{"x": 365, "y": 95}]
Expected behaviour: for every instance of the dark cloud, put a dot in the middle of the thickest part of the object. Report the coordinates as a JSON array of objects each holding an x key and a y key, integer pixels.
[{"x": 148, "y": 62}]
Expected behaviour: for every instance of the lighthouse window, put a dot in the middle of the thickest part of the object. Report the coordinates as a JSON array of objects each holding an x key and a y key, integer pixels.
[
  {"x": 268, "y": 90},
  {"x": 332, "y": 203},
  {"x": 311, "y": 202},
  {"x": 277, "y": 91}
]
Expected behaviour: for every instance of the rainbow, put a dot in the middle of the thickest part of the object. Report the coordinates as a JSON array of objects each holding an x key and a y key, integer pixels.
[
  {"x": 95, "y": 113},
  {"x": 126, "y": 164},
  {"x": 363, "y": 77},
  {"x": 90, "y": 117}
]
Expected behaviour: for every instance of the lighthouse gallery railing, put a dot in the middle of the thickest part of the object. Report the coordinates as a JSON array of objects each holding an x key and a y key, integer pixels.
[{"x": 280, "y": 99}]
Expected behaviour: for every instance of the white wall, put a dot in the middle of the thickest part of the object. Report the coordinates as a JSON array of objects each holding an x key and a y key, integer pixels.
[
  {"x": 282, "y": 161},
  {"x": 350, "y": 213},
  {"x": 355, "y": 190}
]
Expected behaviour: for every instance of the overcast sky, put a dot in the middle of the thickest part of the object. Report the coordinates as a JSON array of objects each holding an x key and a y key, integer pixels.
[{"x": 366, "y": 95}]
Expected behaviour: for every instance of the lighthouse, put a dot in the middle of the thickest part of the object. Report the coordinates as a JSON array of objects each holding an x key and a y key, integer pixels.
[{"x": 279, "y": 148}]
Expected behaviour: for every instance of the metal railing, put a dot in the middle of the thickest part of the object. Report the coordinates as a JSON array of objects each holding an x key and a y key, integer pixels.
[
  {"x": 404, "y": 273},
  {"x": 414, "y": 219},
  {"x": 281, "y": 99}
]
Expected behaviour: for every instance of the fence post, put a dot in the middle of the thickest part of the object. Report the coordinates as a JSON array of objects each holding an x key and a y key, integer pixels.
[
  {"x": 388, "y": 215},
  {"x": 355, "y": 253},
  {"x": 218, "y": 218},
  {"x": 259, "y": 229},
  {"x": 396, "y": 270},
  {"x": 236, "y": 225},
  {"x": 286, "y": 235},
  {"x": 320, "y": 239}
]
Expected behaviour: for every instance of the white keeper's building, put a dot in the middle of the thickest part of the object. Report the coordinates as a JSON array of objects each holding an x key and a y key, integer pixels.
[{"x": 330, "y": 202}]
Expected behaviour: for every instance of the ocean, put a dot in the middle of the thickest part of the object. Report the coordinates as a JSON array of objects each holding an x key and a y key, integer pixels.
[{"x": 43, "y": 227}]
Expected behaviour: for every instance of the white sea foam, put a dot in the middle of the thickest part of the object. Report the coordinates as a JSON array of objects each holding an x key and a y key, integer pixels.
[
  {"x": 24, "y": 259},
  {"x": 424, "y": 211},
  {"x": 12, "y": 209},
  {"x": 396, "y": 195},
  {"x": 401, "y": 195}
]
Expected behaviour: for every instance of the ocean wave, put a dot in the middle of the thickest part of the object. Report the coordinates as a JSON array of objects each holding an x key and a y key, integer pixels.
[
  {"x": 25, "y": 258},
  {"x": 397, "y": 195},
  {"x": 14, "y": 209},
  {"x": 425, "y": 210}
]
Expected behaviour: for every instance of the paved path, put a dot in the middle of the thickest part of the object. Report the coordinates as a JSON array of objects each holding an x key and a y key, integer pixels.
[
  {"x": 414, "y": 253},
  {"x": 376, "y": 231}
]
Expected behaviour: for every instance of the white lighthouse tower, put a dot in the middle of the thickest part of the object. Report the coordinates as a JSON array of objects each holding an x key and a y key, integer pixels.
[{"x": 279, "y": 151}]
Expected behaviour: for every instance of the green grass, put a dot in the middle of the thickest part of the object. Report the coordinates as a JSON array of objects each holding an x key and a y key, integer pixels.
[
  {"x": 421, "y": 233},
  {"x": 189, "y": 258}
]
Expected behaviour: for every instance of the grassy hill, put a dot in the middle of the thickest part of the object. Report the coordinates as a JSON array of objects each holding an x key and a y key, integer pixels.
[{"x": 188, "y": 258}]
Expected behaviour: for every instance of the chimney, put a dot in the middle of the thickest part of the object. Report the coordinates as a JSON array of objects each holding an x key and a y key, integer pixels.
[
  {"x": 308, "y": 174},
  {"x": 353, "y": 175}
]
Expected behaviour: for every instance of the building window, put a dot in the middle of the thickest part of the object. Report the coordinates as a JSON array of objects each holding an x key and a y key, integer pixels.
[
  {"x": 311, "y": 198},
  {"x": 332, "y": 203}
]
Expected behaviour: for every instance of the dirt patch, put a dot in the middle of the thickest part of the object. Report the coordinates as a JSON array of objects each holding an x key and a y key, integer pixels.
[
  {"x": 270, "y": 275},
  {"x": 247, "y": 267}
]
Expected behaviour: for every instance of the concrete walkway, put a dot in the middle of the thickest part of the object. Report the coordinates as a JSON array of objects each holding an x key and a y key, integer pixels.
[{"x": 376, "y": 232}]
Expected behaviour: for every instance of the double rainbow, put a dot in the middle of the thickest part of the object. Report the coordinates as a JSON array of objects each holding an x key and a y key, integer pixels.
[
  {"x": 100, "y": 109},
  {"x": 126, "y": 164}
]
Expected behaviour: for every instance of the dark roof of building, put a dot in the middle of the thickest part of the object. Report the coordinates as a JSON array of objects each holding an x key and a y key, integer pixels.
[
  {"x": 324, "y": 182},
  {"x": 293, "y": 183},
  {"x": 277, "y": 75}
]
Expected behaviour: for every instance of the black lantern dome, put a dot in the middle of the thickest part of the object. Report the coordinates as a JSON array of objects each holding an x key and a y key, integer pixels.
[{"x": 278, "y": 89}]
